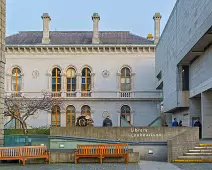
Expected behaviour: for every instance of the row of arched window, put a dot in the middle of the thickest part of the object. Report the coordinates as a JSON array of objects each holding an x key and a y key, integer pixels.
[
  {"x": 71, "y": 80},
  {"x": 71, "y": 114}
]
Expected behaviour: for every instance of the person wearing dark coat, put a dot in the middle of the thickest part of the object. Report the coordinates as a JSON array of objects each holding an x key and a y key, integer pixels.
[
  {"x": 198, "y": 124},
  {"x": 107, "y": 122}
]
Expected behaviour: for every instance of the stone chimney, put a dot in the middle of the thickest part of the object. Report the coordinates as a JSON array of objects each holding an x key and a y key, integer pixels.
[
  {"x": 150, "y": 37},
  {"x": 46, "y": 28},
  {"x": 157, "y": 17},
  {"x": 96, "y": 19}
]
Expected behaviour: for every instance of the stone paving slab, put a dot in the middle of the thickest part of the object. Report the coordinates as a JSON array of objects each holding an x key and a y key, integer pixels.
[{"x": 149, "y": 165}]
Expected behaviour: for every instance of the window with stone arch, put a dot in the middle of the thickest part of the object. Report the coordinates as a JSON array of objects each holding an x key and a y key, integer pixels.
[
  {"x": 86, "y": 110},
  {"x": 71, "y": 80},
  {"x": 56, "y": 79},
  {"x": 125, "y": 81},
  {"x": 16, "y": 79},
  {"x": 126, "y": 113},
  {"x": 55, "y": 116},
  {"x": 70, "y": 115},
  {"x": 86, "y": 80}
]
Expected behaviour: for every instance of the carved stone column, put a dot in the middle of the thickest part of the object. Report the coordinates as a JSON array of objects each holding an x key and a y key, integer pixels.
[
  {"x": 92, "y": 84},
  {"x": 63, "y": 84},
  {"x": 133, "y": 84},
  {"x": 79, "y": 81},
  {"x": 22, "y": 82},
  {"x": 92, "y": 81},
  {"x": 119, "y": 119},
  {"x": 118, "y": 78}
]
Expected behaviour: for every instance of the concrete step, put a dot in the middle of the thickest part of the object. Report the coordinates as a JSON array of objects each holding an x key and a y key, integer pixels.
[
  {"x": 200, "y": 151},
  {"x": 197, "y": 154},
  {"x": 201, "y": 147},
  {"x": 205, "y": 145},
  {"x": 191, "y": 161},
  {"x": 195, "y": 157}
]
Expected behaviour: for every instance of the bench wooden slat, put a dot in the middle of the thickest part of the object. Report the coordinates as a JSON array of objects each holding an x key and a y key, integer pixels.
[{"x": 102, "y": 151}]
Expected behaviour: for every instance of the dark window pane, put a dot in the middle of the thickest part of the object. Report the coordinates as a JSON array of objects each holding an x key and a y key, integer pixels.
[
  {"x": 73, "y": 80},
  {"x": 83, "y": 87},
  {"x": 73, "y": 87},
  {"x": 59, "y": 80},
  {"x": 83, "y": 72},
  {"x": 59, "y": 87},
  {"x": 89, "y": 81},
  {"x": 128, "y": 88},
  {"x": 53, "y": 80},
  {"x": 68, "y": 87},
  {"x": 83, "y": 81},
  {"x": 54, "y": 72},
  {"x": 123, "y": 72},
  {"x": 53, "y": 87},
  {"x": 127, "y": 72}
]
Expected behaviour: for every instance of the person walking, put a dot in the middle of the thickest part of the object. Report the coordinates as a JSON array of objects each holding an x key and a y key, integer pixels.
[
  {"x": 180, "y": 123},
  {"x": 175, "y": 123},
  {"x": 107, "y": 122},
  {"x": 198, "y": 124}
]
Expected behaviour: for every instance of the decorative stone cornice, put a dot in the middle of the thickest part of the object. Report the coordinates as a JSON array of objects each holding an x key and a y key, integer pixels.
[{"x": 21, "y": 49}]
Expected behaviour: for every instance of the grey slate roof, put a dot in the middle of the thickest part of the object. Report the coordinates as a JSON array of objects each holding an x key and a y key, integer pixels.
[{"x": 76, "y": 37}]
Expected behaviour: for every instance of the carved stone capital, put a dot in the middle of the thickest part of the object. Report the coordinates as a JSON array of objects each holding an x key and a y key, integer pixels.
[
  {"x": 93, "y": 74},
  {"x": 79, "y": 74},
  {"x": 63, "y": 74}
]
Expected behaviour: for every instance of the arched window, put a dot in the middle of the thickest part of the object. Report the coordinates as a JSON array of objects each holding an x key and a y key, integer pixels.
[
  {"x": 71, "y": 80},
  {"x": 56, "y": 116},
  {"x": 56, "y": 80},
  {"x": 125, "y": 113},
  {"x": 70, "y": 115},
  {"x": 125, "y": 83},
  {"x": 86, "y": 110},
  {"x": 86, "y": 80},
  {"x": 16, "y": 80}
]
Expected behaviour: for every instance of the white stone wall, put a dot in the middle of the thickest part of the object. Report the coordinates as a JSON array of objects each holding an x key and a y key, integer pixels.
[
  {"x": 188, "y": 22},
  {"x": 141, "y": 64},
  {"x": 105, "y": 91}
]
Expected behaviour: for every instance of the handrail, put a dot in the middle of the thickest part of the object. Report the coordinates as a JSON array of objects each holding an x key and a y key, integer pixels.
[{"x": 155, "y": 120}]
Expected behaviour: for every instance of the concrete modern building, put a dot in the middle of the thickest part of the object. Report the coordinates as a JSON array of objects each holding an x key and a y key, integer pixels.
[
  {"x": 95, "y": 72},
  {"x": 183, "y": 64},
  {"x": 2, "y": 65}
]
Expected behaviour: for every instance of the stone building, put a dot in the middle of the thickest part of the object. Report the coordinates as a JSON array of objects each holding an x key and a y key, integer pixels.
[
  {"x": 183, "y": 64},
  {"x": 2, "y": 65},
  {"x": 95, "y": 72}
]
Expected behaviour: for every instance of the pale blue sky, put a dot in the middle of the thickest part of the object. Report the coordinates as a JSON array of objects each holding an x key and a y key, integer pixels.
[{"x": 75, "y": 15}]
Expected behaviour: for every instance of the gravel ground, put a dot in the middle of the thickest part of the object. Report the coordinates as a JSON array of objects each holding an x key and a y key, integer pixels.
[{"x": 194, "y": 166}]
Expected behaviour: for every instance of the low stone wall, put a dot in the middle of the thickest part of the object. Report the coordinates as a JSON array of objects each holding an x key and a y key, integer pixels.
[
  {"x": 128, "y": 134},
  {"x": 68, "y": 157},
  {"x": 181, "y": 143}
]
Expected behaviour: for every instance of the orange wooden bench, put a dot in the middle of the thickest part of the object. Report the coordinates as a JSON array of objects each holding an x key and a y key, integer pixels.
[
  {"x": 24, "y": 153},
  {"x": 102, "y": 151}
]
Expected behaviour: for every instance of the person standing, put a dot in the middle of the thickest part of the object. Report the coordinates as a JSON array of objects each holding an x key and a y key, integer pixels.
[
  {"x": 107, "y": 122},
  {"x": 198, "y": 124},
  {"x": 175, "y": 123}
]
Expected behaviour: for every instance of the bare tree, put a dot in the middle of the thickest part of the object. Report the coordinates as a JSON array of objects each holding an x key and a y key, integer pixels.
[{"x": 21, "y": 108}]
